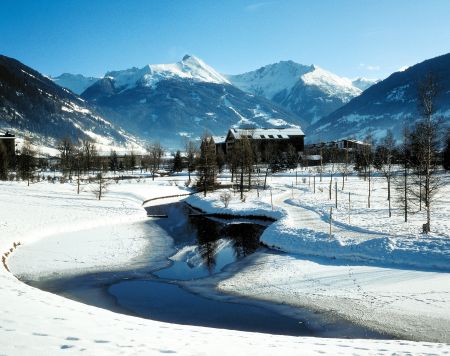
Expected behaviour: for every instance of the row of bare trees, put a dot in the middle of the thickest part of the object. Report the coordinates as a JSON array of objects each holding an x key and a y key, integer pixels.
[{"x": 419, "y": 156}]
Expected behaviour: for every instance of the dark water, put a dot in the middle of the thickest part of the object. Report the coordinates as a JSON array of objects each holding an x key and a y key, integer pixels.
[{"x": 170, "y": 303}]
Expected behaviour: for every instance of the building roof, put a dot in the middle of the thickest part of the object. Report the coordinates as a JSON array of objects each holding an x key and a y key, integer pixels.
[
  {"x": 267, "y": 133},
  {"x": 7, "y": 134},
  {"x": 313, "y": 157},
  {"x": 358, "y": 142},
  {"x": 219, "y": 139}
]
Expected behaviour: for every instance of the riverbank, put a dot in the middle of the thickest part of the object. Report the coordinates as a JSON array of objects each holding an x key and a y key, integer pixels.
[
  {"x": 396, "y": 284},
  {"x": 36, "y": 322}
]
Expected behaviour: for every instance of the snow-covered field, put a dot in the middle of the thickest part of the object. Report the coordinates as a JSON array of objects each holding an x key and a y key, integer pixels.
[
  {"x": 383, "y": 273},
  {"x": 34, "y": 322}
]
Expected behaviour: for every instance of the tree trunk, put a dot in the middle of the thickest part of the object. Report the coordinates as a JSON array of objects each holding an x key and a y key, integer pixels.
[
  {"x": 368, "y": 198},
  {"x": 331, "y": 183},
  {"x": 405, "y": 173},
  {"x": 389, "y": 194},
  {"x": 265, "y": 176},
  {"x": 242, "y": 183}
]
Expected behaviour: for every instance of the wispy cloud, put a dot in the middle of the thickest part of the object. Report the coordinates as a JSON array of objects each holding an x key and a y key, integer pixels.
[
  {"x": 257, "y": 6},
  {"x": 370, "y": 67},
  {"x": 403, "y": 68}
]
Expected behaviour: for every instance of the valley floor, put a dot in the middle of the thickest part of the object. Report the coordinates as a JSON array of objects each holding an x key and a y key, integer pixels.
[{"x": 409, "y": 295}]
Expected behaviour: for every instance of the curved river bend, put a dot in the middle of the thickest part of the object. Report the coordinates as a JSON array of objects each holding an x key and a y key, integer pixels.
[{"x": 191, "y": 247}]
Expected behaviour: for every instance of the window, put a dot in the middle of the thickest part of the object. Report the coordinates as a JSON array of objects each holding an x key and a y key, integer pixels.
[
  {"x": 262, "y": 136},
  {"x": 279, "y": 136},
  {"x": 271, "y": 136}
]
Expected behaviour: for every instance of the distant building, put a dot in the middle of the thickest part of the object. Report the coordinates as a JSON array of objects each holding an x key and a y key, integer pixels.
[
  {"x": 345, "y": 144},
  {"x": 8, "y": 141},
  {"x": 281, "y": 138}
]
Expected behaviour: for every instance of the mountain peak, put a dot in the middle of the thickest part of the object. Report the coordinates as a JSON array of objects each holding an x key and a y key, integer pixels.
[
  {"x": 190, "y": 67},
  {"x": 77, "y": 83},
  {"x": 187, "y": 57}
]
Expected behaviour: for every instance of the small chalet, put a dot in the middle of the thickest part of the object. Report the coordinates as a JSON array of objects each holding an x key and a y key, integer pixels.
[
  {"x": 8, "y": 141},
  {"x": 280, "y": 137}
]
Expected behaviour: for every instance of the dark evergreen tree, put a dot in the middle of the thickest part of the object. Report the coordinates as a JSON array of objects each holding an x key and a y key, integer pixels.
[
  {"x": 207, "y": 164},
  {"x": 113, "y": 161},
  {"x": 177, "y": 162},
  {"x": 27, "y": 161}
]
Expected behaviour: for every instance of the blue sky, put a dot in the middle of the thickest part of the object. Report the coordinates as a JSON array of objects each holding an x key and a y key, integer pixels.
[{"x": 348, "y": 37}]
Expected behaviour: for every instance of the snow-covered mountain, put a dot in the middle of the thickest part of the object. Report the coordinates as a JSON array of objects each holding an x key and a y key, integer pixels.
[
  {"x": 30, "y": 103},
  {"x": 308, "y": 91},
  {"x": 76, "y": 83},
  {"x": 168, "y": 102},
  {"x": 190, "y": 67},
  {"x": 388, "y": 104},
  {"x": 364, "y": 83}
]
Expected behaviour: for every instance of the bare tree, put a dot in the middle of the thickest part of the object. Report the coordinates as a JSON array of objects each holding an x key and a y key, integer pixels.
[
  {"x": 402, "y": 181},
  {"x": 331, "y": 157},
  {"x": 384, "y": 160},
  {"x": 89, "y": 154},
  {"x": 367, "y": 158},
  {"x": 345, "y": 166},
  {"x": 425, "y": 142},
  {"x": 191, "y": 154},
  {"x": 225, "y": 198},
  {"x": 113, "y": 161},
  {"x": 101, "y": 185},
  {"x": 243, "y": 155},
  {"x": 66, "y": 154},
  {"x": 130, "y": 161},
  {"x": 155, "y": 154}
]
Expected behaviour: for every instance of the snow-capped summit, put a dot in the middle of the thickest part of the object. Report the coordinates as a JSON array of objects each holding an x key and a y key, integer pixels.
[
  {"x": 77, "y": 83},
  {"x": 190, "y": 67},
  {"x": 364, "y": 83},
  {"x": 170, "y": 102},
  {"x": 330, "y": 83},
  {"x": 269, "y": 80},
  {"x": 307, "y": 90}
]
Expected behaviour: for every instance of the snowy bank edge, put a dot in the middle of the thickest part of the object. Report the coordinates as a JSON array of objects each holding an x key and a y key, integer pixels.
[{"x": 423, "y": 253}]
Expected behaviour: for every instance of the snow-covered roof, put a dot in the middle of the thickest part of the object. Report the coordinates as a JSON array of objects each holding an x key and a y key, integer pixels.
[
  {"x": 267, "y": 133},
  {"x": 313, "y": 157},
  {"x": 219, "y": 139},
  {"x": 7, "y": 134},
  {"x": 359, "y": 142}
]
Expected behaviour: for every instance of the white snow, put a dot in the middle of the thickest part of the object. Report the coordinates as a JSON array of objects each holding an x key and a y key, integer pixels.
[
  {"x": 364, "y": 83},
  {"x": 279, "y": 78},
  {"x": 377, "y": 272},
  {"x": 397, "y": 94},
  {"x": 271, "y": 79},
  {"x": 34, "y": 322},
  {"x": 190, "y": 67},
  {"x": 331, "y": 84},
  {"x": 77, "y": 83}
]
